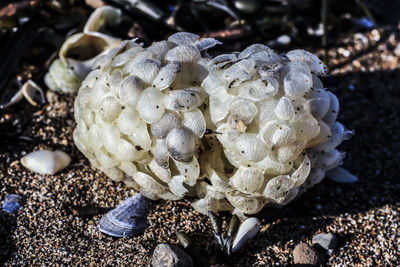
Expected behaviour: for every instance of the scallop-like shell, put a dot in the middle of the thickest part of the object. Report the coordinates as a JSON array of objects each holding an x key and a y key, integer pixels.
[
  {"x": 127, "y": 219},
  {"x": 247, "y": 230},
  {"x": 45, "y": 161}
]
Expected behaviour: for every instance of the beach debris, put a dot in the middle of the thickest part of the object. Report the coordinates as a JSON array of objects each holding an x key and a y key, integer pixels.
[
  {"x": 81, "y": 50},
  {"x": 32, "y": 92},
  {"x": 341, "y": 175},
  {"x": 166, "y": 255},
  {"x": 46, "y": 161},
  {"x": 12, "y": 203},
  {"x": 127, "y": 219},
  {"x": 247, "y": 230},
  {"x": 326, "y": 241},
  {"x": 303, "y": 253}
]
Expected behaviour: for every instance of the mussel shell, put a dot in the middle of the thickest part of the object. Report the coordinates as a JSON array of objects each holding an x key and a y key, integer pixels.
[{"x": 126, "y": 219}]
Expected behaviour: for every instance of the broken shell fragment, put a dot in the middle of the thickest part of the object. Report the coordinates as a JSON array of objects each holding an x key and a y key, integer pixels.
[
  {"x": 247, "y": 230},
  {"x": 127, "y": 219},
  {"x": 45, "y": 161}
]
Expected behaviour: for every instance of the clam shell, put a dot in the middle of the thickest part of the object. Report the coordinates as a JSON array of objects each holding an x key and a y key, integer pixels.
[
  {"x": 127, "y": 219},
  {"x": 45, "y": 161},
  {"x": 247, "y": 230}
]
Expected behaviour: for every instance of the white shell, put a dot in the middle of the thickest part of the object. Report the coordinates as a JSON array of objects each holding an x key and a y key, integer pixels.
[
  {"x": 247, "y": 230},
  {"x": 45, "y": 161}
]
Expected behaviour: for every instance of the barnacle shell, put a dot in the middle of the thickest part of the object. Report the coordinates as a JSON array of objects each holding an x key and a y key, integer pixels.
[{"x": 239, "y": 131}]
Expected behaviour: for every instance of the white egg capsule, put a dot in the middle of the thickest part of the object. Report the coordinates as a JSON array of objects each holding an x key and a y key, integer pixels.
[
  {"x": 168, "y": 121},
  {"x": 181, "y": 144}
]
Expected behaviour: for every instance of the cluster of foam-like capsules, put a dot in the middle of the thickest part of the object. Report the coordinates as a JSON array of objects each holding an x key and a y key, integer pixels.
[
  {"x": 276, "y": 124},
  {"x": 237, "y": 131}
]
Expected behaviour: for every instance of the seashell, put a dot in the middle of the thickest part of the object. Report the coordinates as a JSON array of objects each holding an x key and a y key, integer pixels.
[
  {"x": 340, "y": 175},
  {"x": 45, "y": 161},
  {"x": 233, "y": 227},
  {"x": 30, "y": 90},
  {"x": 127, "y": 219},
  {"x": 12, "y": 203},
  {"x": 81, "y": 50},
  {"x": 247, "y": 230},
  {"x": 184, "y": 239},
  {"x": 216, "y": 225}
]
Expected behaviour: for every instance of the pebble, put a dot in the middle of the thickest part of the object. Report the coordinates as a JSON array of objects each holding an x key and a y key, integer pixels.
[
  {"x": 12, "y": 203},
  {"x": 326, "y": 241},
  {"x": 166, "y": 255},
  {"x": 303, "y": 253}
]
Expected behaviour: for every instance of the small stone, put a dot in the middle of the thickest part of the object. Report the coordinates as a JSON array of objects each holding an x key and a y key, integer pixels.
[
  {"x": 166, "y": 255},
  {"x": 12, "y": 203},
  {"x": 303, "y": 253},
  {"x": 326, "y": 241}
]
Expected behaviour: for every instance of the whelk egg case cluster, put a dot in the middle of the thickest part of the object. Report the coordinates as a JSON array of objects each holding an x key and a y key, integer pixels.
[{"x": 237, "y": 131}]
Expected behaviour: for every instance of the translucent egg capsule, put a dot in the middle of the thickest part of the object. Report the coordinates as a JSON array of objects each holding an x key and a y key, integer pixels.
[
  {"x": 278, "y": 187},
  {"x": 160, "y": 153},
  {"x": 183, "y": 54},
  {"x": 313, "y": 61},
  {"x": 181, "y": 144},
  {"x": 151, "y": 105},
  {"x": 251, "y": 147},
  {"x": 247, "y": 180},
  {"x": 130, "y": 91},
  {"x": 183, "y": 38},
  {"x": 168, "y": 121},
  {"x": 167, "y": 75},
  {"x": 195, "y": 121},
  {"x": 146, "y": 70},
  {"x": 182, "y": 100}
]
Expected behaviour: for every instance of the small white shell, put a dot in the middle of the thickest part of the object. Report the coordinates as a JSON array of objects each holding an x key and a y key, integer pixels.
[
  {"x": 33, "y": 93},
  {"x": 45, "y": 161},
  {"x": 247, "y": 230},
  {"x": 150, "y": 105}
]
